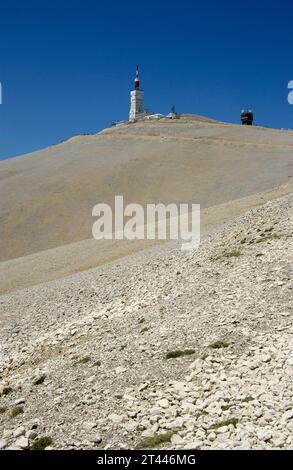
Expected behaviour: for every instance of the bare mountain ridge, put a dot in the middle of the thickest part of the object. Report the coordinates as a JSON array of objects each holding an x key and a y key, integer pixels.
[{"x": 46, "y": 197}]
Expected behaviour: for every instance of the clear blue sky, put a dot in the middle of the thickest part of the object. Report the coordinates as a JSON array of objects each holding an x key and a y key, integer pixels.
[{"x": 67, "y": 66}]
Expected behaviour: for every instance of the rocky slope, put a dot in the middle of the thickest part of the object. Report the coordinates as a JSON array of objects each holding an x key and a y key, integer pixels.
[{"x": 164, "y": 348}]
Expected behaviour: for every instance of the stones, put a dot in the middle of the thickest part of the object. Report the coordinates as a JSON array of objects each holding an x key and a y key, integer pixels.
[
  {"x": 258, "y": 413},
  {"x": 177, "y": 440},
  {"x": 193, "y": 445},
  {"x": 35, "y": 423},
  {"x": 177, "y": 423},
  {"x": 116, "y": 419},
  {"x": 132, "y": 414},
  {"x": 89, "y": 425},
  {"x": 226, "y": 398},
  {"x": 7, "y": 434},
  {"x": 97, "y": 439},
  {"x": 279, "y": 441},
  {"x": 19, "y": 431},
  {"x": 128, "y": 397},
  {"x": 31, "y": 434},
  {"x": 222, "y": 430},
  {"x": 3, "y": 444},
  {"x": 147, "y": 433},
  {"x": 266, "y": 358},
  {"x": 164, "y": 403},
  {"x": 155, "y": 411},
  {"x": 290, "y": 425},
  {"x": 120, "y": 370},
  {"x": 131, "y": 426},
  {"x": 19, "y": 401},
  {"x": 142, "y": 387},
  {"x": 288, "y": 415},
  {"x": 264, "y": 435},
  {"x": 188, "y": 407},
  {"x": 212, "y": 436},
  {"x": 22, "y": 443}
]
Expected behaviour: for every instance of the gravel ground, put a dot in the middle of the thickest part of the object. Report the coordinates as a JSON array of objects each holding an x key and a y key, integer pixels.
[{"x": 162, "y": 349}]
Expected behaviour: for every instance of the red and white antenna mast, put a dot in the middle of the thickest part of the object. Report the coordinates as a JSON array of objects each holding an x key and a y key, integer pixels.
[{"x": 136, "y": 81}]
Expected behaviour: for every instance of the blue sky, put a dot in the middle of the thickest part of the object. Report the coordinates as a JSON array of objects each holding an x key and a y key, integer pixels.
[{"x": 67, "y": 67}]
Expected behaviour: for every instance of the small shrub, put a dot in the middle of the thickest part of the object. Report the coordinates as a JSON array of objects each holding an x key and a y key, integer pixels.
[
  {"x": 18, "y": 410},
  {"x": 218, "y": 345},
  {"x": 39, "y": 380},
  {"x": 41, "y": 443},
  {"x": 232, "y": 254},
  {"x": 6, "y": 390},
  {"x": 248, "y": 399},
  {"x": 179, "y": 353},
  {"x": 83, "y": 360},
  {"x": 265, "y": 238},
  {"x": 201, "y": 413},
  {"x": 2, "y": 410},
  {"x": 154, "y": 441},
  {"x": 233, "y": 421},
  {"x": 144, "y": 329}
]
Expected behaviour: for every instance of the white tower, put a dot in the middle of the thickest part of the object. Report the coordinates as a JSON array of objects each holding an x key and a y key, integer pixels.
[{"x": 136, "y": 100}]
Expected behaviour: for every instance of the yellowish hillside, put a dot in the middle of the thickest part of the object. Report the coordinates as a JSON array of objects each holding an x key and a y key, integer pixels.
[{"x": 46, "y": 197}]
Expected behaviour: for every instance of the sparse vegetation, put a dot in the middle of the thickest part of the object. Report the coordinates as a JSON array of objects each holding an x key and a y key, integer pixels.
[
  {"x": 248, "y": 399},
  {"x": 218, "y": 345},
  {"x": 144, "y": 329},
  {"x": 227, "y": 407},
  {"x": 6, "y": 390},
  {"x": 179, "y": 353},
  {"x": 201, "y": 413},
  {"x": 265, "y": 238},
  {"x": 82, "y": 360},
  {"x": 232, "y": 254},
  {"x": 39, "y": 380},
  {"x": 2, "y": 409},
  {"x": 233, "y": 421},
  {"x": 155, "y": 440},
  {"x": 122, "y": 347},
  {"x": 18, "y": 410},
  {"x": 41, "y": 443},
  {"x": 227, "y": 254}
]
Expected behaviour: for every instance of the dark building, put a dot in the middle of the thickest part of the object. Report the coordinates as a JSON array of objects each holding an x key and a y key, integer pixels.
[{"x": 247, "y": 117}]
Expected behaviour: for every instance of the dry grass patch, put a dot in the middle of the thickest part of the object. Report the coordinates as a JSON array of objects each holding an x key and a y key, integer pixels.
[
  {"x": 179, "y": 353},
  {"x": 155, "y": 440}
]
